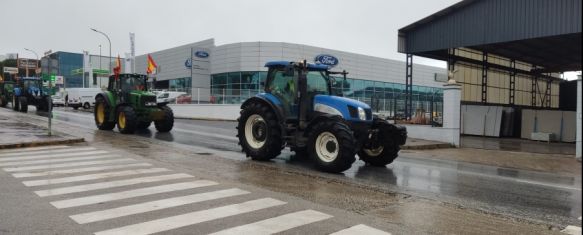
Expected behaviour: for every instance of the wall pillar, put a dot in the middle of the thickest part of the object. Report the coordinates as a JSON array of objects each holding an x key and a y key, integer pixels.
[
  {"x": 579, "y": 119},
  {"x": 452, "y": 110}
]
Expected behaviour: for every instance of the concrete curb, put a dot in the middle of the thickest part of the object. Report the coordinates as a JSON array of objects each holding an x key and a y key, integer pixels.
[
  {"x": 427, "y": 147},
  {"x": 42, "y": 143}
]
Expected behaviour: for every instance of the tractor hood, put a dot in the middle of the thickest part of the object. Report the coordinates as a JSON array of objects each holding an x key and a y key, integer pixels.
[{"x": 347, "y": 108}]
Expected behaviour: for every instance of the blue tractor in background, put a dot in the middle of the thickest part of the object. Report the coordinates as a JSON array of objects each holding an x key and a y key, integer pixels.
[
  {"x": 299, "y": 110},
  {"x": 30, "y": 91}
]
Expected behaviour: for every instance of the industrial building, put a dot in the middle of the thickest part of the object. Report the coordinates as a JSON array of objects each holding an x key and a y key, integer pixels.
[{"x": 231, "y": 73}]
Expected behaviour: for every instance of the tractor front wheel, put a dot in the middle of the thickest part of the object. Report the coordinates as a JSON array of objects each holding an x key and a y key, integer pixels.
[
  {"x": 23, "y": 104},
  {"x": 382, "y": 149},
  {"x": 331, "y": 146},
  {"x": 102, "y": 115},
  {"x": 166, "y": 124},
  {"x": 15, "y": 103},
  {"x": 259, "y": 133},
  {"x": 126, "y": 120}
]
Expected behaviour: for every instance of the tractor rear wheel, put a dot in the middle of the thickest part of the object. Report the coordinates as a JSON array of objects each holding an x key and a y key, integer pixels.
[
  {"x": 382, "y": 149},
  {"x": 259, "y": 133},
  {"x": 23, "y": 104},
  {"x": 331, "y": 145},
  {"x": 102, "y": 114},
  {"x": 166, "y": 124},
  {"x": 126, "y": 120},
  {"x": 15, "y": 103}
]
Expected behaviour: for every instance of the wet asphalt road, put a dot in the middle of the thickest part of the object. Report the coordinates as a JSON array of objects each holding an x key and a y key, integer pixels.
[{"x": 529, "y": 195}]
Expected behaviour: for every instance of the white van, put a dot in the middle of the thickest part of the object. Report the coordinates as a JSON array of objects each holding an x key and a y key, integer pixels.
[{"x": 82, "y": 97}]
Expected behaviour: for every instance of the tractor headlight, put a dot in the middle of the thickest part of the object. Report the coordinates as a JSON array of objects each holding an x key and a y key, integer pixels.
[
  {"x": 361, "y": 113},
  {"x": 151, "y": 104}
]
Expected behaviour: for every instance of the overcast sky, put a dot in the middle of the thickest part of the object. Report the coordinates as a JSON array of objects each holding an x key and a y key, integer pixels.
[{"x": 361, "y": 26}]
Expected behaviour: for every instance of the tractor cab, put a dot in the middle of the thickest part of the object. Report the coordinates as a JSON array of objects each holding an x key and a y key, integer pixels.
[{"x": 132, "y": 87}]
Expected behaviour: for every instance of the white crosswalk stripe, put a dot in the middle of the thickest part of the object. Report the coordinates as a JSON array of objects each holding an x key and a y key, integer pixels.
[
  {"x": 78, "y": 170},
  {"x": 110, "y": 184},
  {"x": 93, "y": 176},
  {"x": 72, "y": 159},
  {"x": 359, "y": 230},
  {"x": 55, "y": 165},
  {"x": 196, "y": 217},
  {"x": 154, "y": 205},
  {"x": 75, "y": 154},
  {"x": 572, "y": 230},
  {"x": 83, "y": 201},
  {"x": 63, "y": 165},
  {"x": 4, "y": 156},
  {"x": 30, "y": 149},
  {"x": 277, "y": 224}
]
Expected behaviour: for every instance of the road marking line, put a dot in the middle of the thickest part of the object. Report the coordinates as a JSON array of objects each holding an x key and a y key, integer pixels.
[
  {"x": 572, "y": 230},
  {"x": 89, "y": 200},
  {"x": 359, "y": 230},
  {"x": 277, "y": 224},
  {"x": 196, "y": 217},
  {"x": 71, "y": 164},
  {"x": 547, "y": 185},
  {"x": 44, "y": 152},
  {"x": 154, "y": 205},
  {"x": 59, "y": 160},
  {"x": 54, "y": 155},
  {"x": 78, "y": 170},
  {"x": 93, "y": 176},
  {"x": 33, "y": 149},
  {"x": 110, "y": 184}
]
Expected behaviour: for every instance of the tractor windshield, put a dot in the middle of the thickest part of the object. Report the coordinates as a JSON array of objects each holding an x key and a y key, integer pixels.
[
  {"x": 133, "y": 84},
  {"x": 318, "y": 83}
]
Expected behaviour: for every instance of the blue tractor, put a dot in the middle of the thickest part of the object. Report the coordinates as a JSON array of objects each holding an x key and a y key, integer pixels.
[
  {"x": 30, "y": 91},
  {"x": 299, "y": 110}
]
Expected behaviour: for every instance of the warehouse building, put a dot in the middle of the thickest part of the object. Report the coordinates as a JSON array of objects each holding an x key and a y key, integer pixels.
[
  {"x": 231, "y": 73},
  {"x": 507, "y": 55}
]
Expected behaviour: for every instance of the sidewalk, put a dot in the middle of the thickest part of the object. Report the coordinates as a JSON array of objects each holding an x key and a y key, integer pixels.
[{"x": 16, "y": 134}]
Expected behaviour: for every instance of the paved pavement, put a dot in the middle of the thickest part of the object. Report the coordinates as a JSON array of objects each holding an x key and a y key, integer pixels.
[
  {"x": 14, "y": 134},
  {"x": 109, "y": 193}
]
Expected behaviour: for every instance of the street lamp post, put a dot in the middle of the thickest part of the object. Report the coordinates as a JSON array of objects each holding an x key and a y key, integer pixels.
[
  {"x": 97, "y": 31},
  {"x": 36, "y": 60}
]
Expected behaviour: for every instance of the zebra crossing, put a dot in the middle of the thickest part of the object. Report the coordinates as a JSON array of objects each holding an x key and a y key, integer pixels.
[{"x": 75, "y": 178}]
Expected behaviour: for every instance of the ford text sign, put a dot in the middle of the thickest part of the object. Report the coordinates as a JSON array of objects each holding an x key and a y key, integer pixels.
[
  {"x": 326, "y": 60},
  {"x": 201, "y": 54}
]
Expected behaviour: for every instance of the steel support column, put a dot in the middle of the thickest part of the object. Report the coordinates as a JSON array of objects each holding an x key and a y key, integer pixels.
[
  {"x": 484, "y": 77},
  {"x": 533, "y": 88},
  {"x": 409, "y": 86},
  {"x": 548, "y": 94},
  {"x": 512, "y": 82}
]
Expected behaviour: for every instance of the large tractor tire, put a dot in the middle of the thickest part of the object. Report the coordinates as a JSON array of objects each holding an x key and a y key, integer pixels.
[
  {"x": 166, "y": 124},
  {"x": 3, "y": 102},
  {"x": 15, "y": 103},
  {"x": 143, "y": 125},
  {"x": 382, "y": 149},
  {"x": 259, "y": 133},
  {"x": 102, "y": 114},
  {"x": 127, "y": 120},
  {"x": 331, "y": 145},
  {"x": 23, "y": 104}
]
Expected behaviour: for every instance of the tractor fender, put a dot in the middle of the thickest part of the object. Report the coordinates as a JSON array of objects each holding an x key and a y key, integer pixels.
[
  {"x": 320, "y": 117},
  {"x": 276, "y": 109}
]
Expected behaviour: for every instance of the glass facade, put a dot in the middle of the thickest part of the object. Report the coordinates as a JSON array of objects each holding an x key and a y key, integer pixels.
[
  {"x": 67, "y": 63},
  {"x": 383, "y": 97}
]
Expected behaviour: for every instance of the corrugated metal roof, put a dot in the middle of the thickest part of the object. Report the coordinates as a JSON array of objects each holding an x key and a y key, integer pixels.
[{"x": 475, "y": 23}]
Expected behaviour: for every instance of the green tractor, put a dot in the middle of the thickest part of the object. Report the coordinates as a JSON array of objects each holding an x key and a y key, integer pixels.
[
  {"x": 6, "y": 89},
  {"x": 128, "y": 103}
]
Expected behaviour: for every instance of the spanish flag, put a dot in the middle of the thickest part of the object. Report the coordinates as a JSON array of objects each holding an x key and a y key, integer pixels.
[
  {"x": 117, "y": 68},
  {"x": 152, "y": 66}
]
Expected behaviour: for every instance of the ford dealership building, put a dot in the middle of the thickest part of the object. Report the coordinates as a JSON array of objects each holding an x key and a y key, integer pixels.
[{"x": 231, "y": 73}]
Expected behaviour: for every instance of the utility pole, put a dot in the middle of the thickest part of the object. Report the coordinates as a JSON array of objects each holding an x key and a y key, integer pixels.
[{"x": 97, "y": 31}]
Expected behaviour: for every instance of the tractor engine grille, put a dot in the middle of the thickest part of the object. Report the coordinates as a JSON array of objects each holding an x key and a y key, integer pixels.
[{"x": 144, "y": 100}]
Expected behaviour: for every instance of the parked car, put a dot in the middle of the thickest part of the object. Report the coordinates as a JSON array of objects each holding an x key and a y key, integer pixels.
[
  {"x": 168, "y": 96},
  {"x": 58, "y": 100},
  {"x": 184, "y": 99},
  {"x": 82, "y": 97}
]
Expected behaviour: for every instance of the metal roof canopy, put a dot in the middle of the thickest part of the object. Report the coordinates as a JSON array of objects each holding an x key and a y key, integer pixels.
[{"x": 544, "y": 33}]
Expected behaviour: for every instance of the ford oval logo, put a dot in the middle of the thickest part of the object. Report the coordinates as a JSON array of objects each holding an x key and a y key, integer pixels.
[
  {"x": 188, "y": 63},
  {"x": 326, "y": 60},
  {"x": 201, "y": 54}
]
